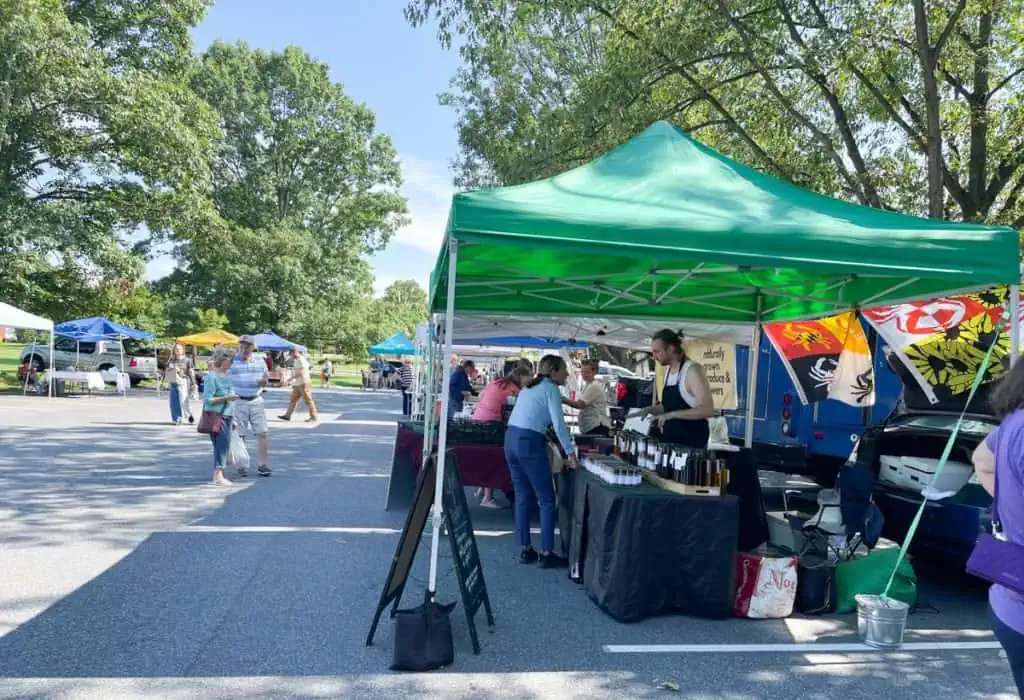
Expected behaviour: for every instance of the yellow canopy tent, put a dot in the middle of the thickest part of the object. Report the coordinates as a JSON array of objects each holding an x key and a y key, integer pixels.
[{"x": 210, "y": 338}]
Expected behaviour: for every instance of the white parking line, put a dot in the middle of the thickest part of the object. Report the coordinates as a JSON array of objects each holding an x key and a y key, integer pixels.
[
  {"x": 788, "y": 648},
  {"x": 286, "y": 529}
]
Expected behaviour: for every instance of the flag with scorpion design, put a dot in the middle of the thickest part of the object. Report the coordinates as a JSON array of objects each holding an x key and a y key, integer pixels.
[{"x": 826, "y": 358}]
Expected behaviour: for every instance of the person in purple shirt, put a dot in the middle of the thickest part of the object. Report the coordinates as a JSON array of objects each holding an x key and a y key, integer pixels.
[{"x": 1003, "y": 452}]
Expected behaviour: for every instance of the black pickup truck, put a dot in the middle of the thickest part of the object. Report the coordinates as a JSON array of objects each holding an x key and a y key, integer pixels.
[{"x": 631, "y": 393}]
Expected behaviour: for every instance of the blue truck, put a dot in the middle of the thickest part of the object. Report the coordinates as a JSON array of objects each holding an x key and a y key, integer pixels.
[
  {"x": 817, "y": 440},
  {"x": 814, "y": 440}
]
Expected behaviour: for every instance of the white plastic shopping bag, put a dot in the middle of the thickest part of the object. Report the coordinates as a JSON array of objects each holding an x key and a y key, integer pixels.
[
  {"x": 238, "y": 455},
  {"x": 765, "y": 586}
]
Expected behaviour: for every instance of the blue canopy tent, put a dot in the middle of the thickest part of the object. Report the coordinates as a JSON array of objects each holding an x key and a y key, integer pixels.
[
  {"x": 523, "y": 341},
  {"x": 268, "y": 340},
  {"x": 398, "y": 344},
  {"x": 95, "y": 329}
]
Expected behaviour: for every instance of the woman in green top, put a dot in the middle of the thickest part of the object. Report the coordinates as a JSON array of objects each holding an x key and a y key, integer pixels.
[{"x": 219, "y": 397}]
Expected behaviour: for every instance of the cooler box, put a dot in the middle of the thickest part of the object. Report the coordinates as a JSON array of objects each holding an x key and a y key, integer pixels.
[{"x": 917, "y": 473}]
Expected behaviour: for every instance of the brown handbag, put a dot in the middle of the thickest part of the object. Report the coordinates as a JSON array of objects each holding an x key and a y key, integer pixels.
[{"x": 210, "y": 423}]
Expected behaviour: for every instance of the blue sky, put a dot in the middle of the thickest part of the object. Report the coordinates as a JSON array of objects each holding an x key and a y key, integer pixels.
[{"x": 393, "y": 68}]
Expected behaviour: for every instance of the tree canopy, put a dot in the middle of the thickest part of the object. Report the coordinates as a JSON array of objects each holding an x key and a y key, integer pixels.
[
  {"x": 914, "y": 106},
  {"x": 303, "y": 188},
  {"x": 100, "y": 136},
  {"x": 265, "y": 181}
]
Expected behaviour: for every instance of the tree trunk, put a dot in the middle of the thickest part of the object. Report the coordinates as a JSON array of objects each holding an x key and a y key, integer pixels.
[
  {"x": 933, "y": 125},
  {"x": 979, "y": 119}
]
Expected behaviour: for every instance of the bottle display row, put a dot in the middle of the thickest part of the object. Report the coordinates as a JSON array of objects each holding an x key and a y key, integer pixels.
[{"x": 683, "y": 465}]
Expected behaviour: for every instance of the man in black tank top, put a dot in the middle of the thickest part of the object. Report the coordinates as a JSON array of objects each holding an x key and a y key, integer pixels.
[{"x": 686, "y": 403}]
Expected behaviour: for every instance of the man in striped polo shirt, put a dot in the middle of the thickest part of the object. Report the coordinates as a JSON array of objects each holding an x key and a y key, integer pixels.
[
  {"x": 248, "y": 378},
  {"x": 405, "y": 382}
]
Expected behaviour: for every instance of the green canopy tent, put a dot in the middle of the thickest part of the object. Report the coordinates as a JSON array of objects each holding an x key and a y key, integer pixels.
[{"x": 664, "y": 227}]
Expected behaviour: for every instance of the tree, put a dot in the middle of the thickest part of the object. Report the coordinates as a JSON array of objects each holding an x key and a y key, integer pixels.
[
  {"x": 206, "y": 320},
  {"x": 102, "y": 143},
  {"x": 909, "y": 106},
  {"x": 403, "y": 306},
  {"x": 303, "y": 187}
]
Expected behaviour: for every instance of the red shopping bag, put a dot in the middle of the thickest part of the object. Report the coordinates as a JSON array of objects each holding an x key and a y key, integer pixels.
[{"x": 765, "y": 586}]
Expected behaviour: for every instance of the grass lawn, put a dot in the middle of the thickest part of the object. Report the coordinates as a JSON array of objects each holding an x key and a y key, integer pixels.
[
  {"x": 9, "y": 353},
  {"x": 345, "y": 375}
]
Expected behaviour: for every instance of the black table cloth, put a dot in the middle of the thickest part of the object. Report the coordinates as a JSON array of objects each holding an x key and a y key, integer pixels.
[{"x": 642, "y": 551}]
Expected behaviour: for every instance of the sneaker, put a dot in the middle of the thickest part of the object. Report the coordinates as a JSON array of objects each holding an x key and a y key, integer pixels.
[
  {"x": 241, "y": 473},
  {"x": 285, "y": 418},
  {"x": 264, "y": 470},
  {"x": 312, "y": 419},
  {"x": 490, "y": 503},
  {"x": 528, "y": 556},
  {"x": 553, "y": 561}
]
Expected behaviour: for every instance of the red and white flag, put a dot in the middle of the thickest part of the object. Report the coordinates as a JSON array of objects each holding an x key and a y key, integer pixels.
[{"x": 942, "y": 342}]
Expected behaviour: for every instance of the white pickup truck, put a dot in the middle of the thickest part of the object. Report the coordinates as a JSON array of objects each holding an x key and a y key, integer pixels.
[{"x": 139, "y": 360}]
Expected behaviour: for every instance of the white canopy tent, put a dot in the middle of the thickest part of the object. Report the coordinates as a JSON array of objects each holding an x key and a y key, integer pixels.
[
  {"x": 615, "y": 332},
  {"x": 13, "y": 317}
]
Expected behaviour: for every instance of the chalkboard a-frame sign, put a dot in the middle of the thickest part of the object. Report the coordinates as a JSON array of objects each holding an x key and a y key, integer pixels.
[{"x": 465, "y": 554}]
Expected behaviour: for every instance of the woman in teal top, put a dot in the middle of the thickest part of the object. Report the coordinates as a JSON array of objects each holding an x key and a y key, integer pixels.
[{"x": 219, "y": 397}]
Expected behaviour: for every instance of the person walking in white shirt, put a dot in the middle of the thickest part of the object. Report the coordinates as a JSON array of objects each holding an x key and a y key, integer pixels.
[{"x": 302, "y": 388}]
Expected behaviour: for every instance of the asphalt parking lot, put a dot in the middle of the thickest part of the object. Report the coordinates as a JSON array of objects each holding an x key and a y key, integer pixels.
[{"x": 124, "y": 573}]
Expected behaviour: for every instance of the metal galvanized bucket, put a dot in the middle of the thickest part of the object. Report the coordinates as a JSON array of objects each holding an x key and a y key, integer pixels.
[{"x": 881, "y": 621}]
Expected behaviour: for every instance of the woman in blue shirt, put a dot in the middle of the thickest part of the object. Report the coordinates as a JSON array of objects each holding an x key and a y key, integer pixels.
[
  {"x": 538, "y": 407},
  {"x": 219, "y": 397}
]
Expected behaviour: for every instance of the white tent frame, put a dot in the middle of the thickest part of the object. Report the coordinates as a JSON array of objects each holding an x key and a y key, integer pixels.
[
  {"x": 32, "y": 322},
  {"x": 597, "y": 284}
]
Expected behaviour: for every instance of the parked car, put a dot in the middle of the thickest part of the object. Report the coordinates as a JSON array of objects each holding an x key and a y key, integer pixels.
[
  {"x": 903, "y": 451},
  {"x": 139, "y": 360}
]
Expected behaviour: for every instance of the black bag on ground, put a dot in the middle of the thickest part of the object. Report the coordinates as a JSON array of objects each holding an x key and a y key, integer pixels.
[
  {"x": 423, "y": 638},
  {"x": 815, "y": 575},
  {"x": 815, "y": 585}
]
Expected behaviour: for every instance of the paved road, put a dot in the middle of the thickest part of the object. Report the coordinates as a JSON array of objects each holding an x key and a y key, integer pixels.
[{"x": 124, "y": 574}]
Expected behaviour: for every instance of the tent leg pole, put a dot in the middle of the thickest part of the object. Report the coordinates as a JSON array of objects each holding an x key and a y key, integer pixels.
[
  {"x": 28, "y": 374},
  {"x": 53, "y": 366},
  {"x": 752, "y": 362},
  {"x": 442, "y": 432},
  {"x": 428, "y": 408},
  {"x": 1014, "y": 324}
]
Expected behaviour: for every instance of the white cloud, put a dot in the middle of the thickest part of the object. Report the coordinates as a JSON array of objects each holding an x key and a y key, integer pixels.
[
  {"x": 159, "y": 267},
  {"x": 428, "y": 188}
]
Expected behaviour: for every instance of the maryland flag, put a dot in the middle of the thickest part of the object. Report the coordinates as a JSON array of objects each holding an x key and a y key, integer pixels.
[
  {"x": 854, "y": 380},
  {"x": 944, "y": 341},
  {"x": 827, "y": 358}
]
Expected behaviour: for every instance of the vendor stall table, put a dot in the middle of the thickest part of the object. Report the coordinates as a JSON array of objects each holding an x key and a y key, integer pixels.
[
  {"x": 479, "y": 464},
  {"x": 92, "y": 381},
  {"x": 642, "y": 551}
]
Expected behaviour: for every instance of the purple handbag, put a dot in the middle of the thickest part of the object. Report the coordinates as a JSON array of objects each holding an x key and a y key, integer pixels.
[{"x": 995, "y": 559}]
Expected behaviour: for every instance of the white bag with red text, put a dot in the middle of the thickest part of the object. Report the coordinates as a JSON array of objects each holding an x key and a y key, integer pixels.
[{"x": 765, "y": 586}]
